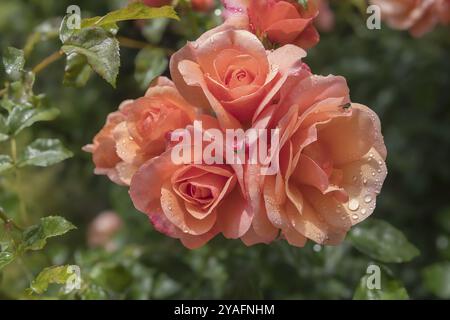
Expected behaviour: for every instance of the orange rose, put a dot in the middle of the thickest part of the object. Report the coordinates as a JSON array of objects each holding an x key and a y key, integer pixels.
[
  {"x": 279, "y": 21},
  {"x": 417, "y": 16},
  {"x": 137, "y": 132},
  {"x": 192, "y": 202},
  {"x": 230, "y": 72},
  {"x": 331, "y": 165}
]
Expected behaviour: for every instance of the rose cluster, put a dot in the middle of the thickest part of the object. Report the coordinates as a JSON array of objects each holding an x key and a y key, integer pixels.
[{"x": 248, "y": 73}]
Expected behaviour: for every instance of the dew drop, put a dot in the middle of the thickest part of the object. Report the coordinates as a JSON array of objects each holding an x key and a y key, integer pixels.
[
  {"x": 353, "y": 205},
  {"x": 363, "y": 211},
  {"x": 355, "y": 217},
  {"x": 367, "y": 199},
  {"x": 365, "y": 181}
]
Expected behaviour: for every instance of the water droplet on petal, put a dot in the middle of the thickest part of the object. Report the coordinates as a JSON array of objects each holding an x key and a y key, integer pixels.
[
  {"x": 355, "y": 217},
  {"x": 367, "y": 199},
  {"x": 353, "y": 204}
]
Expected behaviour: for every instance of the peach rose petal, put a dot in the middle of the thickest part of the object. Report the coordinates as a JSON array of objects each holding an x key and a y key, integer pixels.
[
  {"x": 175, "y": 211},
  {"x": 235, "y": 215},
  {"x": 148, "y": 180},
  {"x": 294, "y": 238},
  {"x": 193, "y": 76}
]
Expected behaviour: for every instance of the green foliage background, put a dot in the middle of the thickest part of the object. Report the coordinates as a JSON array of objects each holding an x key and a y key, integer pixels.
[{"x": 405, "y": 80}]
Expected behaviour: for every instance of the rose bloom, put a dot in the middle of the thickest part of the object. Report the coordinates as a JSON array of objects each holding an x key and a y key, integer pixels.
[
  {"x": 331, "y": 167},
  {"x": 279, "y": 21},
  {"x": 189, "y": 201},
  {"x": 137, "y": 131},
  {"x": 417, "y": 16},
  {"x": 230, "y": 72}
]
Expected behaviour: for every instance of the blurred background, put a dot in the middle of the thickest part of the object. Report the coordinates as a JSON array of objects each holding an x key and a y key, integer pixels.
[{"x": 404, "y": 79}]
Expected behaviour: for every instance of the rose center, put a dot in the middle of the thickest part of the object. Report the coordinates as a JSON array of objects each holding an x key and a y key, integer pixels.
[{"x": 237, "y": 77}]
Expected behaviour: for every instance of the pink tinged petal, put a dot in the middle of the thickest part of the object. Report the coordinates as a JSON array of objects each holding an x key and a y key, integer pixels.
[
  {"x": 175, "y": 211},
  {"x": 235, "y": 215},
  {"x": 161, "y": 223}
]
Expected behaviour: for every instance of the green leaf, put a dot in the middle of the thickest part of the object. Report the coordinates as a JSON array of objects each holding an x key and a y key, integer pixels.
[
  {"x": 23, "y": 116},
  {"x": 51, "y": 275},
  {"x": 381, "y": 241},
  {"x": 44, "y": 153},
  {"x": 65, "y": 32},
  {"x": 100, "y": 49},
  {"x": 437, "y": 279},
  {"x": 35, "y": 237},
  {"x": 6, "y": 163},
  {"x": 13, "y": 61},
  {"x": 6, "y": 258},
  {"x": 134, "y": 11},
  {"x": 149, "y": 64},
  {"x": 77, "y": 71},
  {"x": 390, "y": 288}
]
